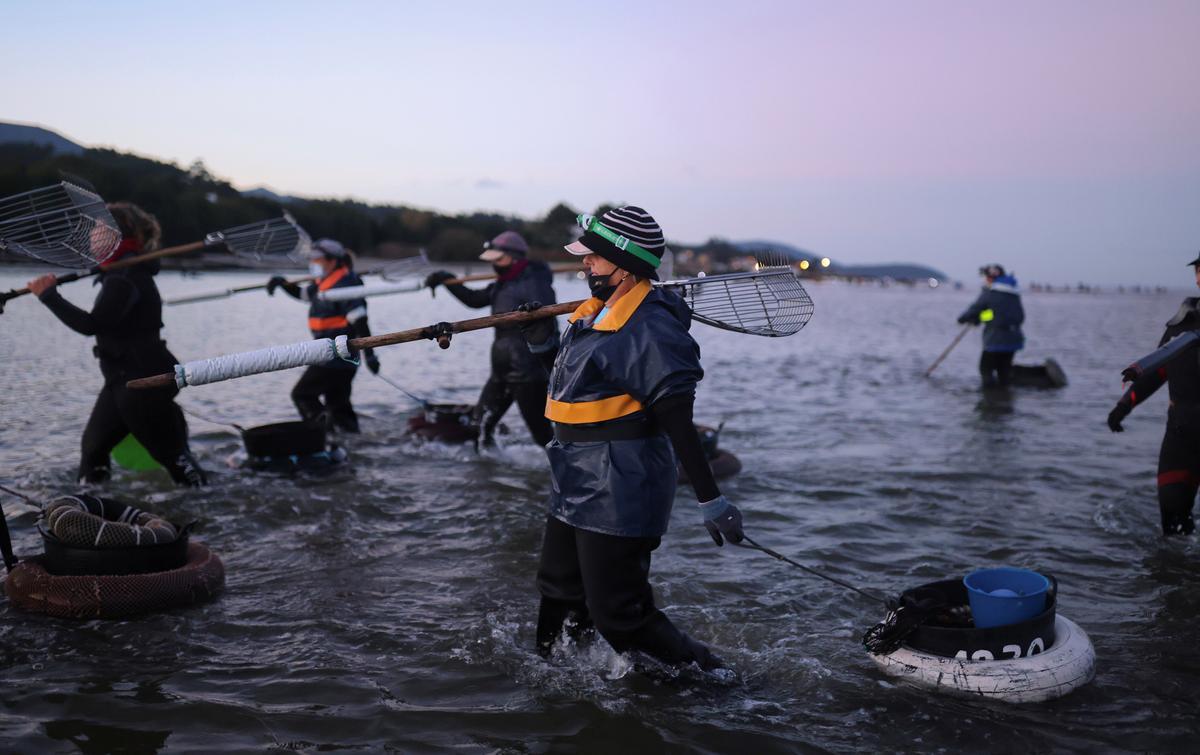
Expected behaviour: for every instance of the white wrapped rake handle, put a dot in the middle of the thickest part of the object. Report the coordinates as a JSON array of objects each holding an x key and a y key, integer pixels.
[
  {"x": 322, "y": 350},
  {"x": 371, "y": 289},
  {"x": 271, "y": 359}
]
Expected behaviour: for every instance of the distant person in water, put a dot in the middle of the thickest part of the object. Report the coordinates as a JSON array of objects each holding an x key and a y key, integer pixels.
[
  {"x": 126, "y": 319},
  {"x": 1000, "y": 312},
  {"x": 517, "y": 374},
  {"x": 332, "y": 266},
  {"x": 1179, "y": 456}
]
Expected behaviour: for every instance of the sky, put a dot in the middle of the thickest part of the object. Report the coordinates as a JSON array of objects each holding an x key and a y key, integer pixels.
[{"x": 1061, "y": 139}]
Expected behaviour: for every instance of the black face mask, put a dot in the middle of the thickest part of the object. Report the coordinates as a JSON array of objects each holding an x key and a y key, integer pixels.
[
  {"x": 500, "y": 269},
  {"x": 600, "y": 287}
]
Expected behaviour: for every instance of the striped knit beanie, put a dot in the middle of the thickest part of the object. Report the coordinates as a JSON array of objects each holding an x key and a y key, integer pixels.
[{"x": 626, "y": 236}]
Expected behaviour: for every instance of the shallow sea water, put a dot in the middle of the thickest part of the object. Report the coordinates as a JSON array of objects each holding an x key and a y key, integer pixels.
[{"x": 390, "y": 606}]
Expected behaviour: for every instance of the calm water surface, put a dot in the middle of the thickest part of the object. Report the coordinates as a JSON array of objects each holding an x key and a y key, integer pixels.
[{"x": 390, "y": 607}]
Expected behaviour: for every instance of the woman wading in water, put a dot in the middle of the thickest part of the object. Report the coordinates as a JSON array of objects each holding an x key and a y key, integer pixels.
[
  {"x": 126, "y": 319},
  {"x": 620, "y": 399}
]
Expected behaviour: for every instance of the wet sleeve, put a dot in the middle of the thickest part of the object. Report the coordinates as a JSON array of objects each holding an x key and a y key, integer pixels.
[
  {"x": 971, "y": 313},
  {"x": 1145, "y": 386},
  {"x": 295, "y": 291},
  {"x": 475, "y": 298},
  {"x": 674, "y": 416},
  {"x": 115, "y": 300}
]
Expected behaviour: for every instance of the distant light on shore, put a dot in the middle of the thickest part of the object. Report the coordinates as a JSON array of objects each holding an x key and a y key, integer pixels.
[
  {"x": 803, "y": 264},
  {"x": 824, "y": 262},
  {"x": 934, "y": 283}
]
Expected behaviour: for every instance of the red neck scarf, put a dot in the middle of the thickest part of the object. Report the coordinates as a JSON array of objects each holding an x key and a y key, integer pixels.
[
  {"x": 515, "y": 269},
  {"x": 126, "y": 247}
]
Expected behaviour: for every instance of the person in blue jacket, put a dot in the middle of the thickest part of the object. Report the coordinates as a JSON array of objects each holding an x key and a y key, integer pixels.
[
  {"x": 332, "y": 266},
  {"x": 620, "y": 399},
  {"x": 1000, "y": 312},
  {"x": 517, "y": 374}
]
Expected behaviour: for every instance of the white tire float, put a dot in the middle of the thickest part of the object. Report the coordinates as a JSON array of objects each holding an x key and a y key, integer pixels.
[{"x": 1065, "y": 666}]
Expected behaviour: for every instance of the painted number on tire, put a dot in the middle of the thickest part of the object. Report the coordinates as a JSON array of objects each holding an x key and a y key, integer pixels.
[{"x": 1013, "y": 652}]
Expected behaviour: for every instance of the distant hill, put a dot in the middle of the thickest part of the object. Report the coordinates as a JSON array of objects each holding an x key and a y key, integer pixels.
[
  {"x": 899, "y": 272},
  {"x": 16, "y": 133},
  {"x": 262, "y": 192}
]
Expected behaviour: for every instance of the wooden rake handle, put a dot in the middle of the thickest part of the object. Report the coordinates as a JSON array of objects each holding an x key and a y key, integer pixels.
[
  {"x": 441, "y": 332},
  {"x": 118, "y": 265}
]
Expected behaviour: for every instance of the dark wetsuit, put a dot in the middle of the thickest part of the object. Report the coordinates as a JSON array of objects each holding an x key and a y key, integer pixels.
[
  {"x": 1179, "y": 457},
  {"x": 126, "y": 319},
  {"x": 621, "y": 396},
  {"x": 517, "y": 374},
  {"x": 334, "y": 379}
]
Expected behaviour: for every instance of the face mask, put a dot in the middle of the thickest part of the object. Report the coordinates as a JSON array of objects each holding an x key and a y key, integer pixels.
[
  {"x": 500, "y": 269},
  {"x": 315, "y": 269},
  {"x": 600, "y": 287}
]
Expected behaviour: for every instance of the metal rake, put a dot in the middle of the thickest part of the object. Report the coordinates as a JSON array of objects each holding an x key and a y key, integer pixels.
[
  {"x": 767, "y": 301},
  {"x": 63, "y": 224},
  {"x": 277, "y": 237}
]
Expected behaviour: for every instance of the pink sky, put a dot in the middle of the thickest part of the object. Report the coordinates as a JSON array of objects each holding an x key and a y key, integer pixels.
[{"x": 1061, "y": 138}]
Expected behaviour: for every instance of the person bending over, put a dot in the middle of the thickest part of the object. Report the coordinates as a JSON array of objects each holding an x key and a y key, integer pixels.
[{"x": 999, "y": 309}]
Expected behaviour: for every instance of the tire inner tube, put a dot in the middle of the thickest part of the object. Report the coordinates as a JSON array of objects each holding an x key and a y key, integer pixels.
[{"x": 93, "y": 522}]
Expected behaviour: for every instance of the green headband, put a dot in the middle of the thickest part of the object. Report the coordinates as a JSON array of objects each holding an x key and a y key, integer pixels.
[{"x": 590, "y": 223}]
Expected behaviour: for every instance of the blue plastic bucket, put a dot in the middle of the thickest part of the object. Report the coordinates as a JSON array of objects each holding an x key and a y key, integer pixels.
[{"x": 1005, "y": 595}]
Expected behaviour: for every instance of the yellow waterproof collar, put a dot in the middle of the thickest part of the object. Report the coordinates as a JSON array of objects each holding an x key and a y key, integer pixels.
[{"x": 620, "y": 312}]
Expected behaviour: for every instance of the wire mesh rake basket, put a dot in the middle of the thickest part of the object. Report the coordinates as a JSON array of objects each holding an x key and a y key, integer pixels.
[
  {"x": 63, "y": 224},
  {"x": 265, "y": 239},
  {"x": 768, "y": 301}
]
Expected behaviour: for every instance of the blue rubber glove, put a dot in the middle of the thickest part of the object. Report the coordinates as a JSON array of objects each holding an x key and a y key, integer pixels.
[{"x": 722, "y": 518}]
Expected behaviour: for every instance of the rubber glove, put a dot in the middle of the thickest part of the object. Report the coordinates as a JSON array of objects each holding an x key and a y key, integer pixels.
[
  {"x": 722, "y": 518},
  {"x": 1119, "y": 412}
]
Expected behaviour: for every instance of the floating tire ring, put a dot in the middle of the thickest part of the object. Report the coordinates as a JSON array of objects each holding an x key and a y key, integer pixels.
[
  {"x": 30, "y": 587},
  {"x": 1065, "y": 666}
]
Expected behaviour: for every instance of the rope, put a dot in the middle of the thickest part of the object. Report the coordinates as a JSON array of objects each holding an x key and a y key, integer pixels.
[
  {"x": 774, "y": 554},
  {"x": 270, "y": 359},
  {"x": 397, "y": 386},
  {"x": 27, "y": 499},
  {"x": 202, "y": 418}
]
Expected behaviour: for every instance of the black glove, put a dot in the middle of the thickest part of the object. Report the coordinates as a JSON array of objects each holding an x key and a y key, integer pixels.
[
  {"x": 966, "y": 319},
  {"x": 541, "y": 335},
  {"x": 438, "y": 277},
  {"x": 275, "y": 282},
  {"x": 722, "y": 518},
  {"x": 1119, "y": 412},
  {"x": 372, "y": 361}
]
